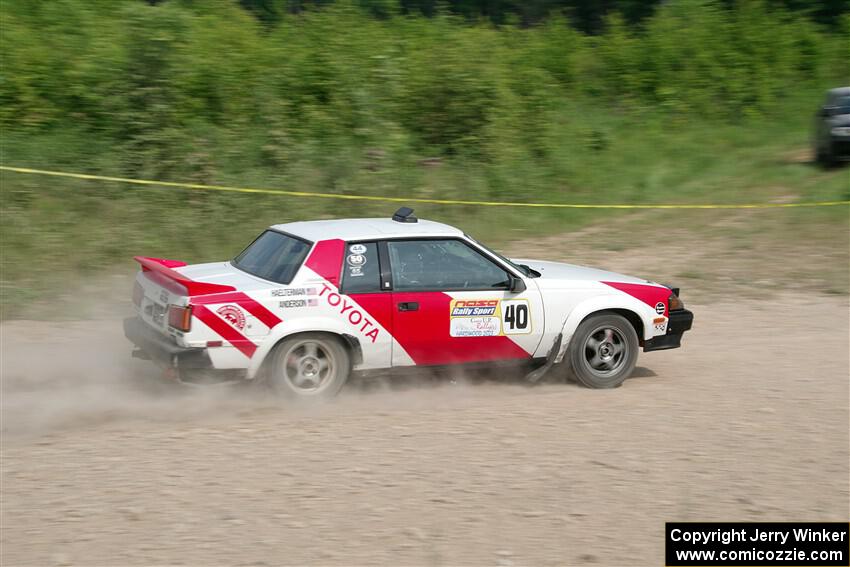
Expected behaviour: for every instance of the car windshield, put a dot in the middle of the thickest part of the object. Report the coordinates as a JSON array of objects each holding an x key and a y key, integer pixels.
[
  {"x": 519, "y": 267},
  {"x": 273, "y": 256},
  {"x": 842, "y": 103}
]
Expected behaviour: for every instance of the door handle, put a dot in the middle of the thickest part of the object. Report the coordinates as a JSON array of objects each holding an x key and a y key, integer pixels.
[{"x": 408, "y": 306}]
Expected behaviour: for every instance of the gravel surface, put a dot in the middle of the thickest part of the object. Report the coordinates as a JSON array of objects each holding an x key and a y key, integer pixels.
[{"x": 749, "y": 421}]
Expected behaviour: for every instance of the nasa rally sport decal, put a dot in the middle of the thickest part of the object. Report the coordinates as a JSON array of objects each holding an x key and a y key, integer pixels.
[
  {"x": 489, "y": 317},
  {"x": 232, "y": 315}
]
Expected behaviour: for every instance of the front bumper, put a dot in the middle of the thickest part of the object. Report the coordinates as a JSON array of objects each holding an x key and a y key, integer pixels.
[
  {"x": 162, "y": 350},
  {"x": 679, "y": 321}
]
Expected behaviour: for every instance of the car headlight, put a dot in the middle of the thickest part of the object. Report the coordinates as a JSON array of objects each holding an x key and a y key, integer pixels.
[
  {"x": 675, "y": 303},
  {"x": 841, "y": 131}
]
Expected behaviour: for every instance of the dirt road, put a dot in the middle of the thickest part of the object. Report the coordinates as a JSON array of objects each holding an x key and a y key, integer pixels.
[{"x": 749, "y": 421}]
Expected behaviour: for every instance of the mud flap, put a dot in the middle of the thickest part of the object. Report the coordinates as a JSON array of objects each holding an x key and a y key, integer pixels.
[{"x": 537, "y": 374}]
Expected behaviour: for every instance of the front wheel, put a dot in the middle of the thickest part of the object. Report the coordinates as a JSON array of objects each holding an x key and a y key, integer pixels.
[
  {"x": 309, "y": 366},
  {"x": 603, "y": 351},
  {"x": 824, "y": 156}
]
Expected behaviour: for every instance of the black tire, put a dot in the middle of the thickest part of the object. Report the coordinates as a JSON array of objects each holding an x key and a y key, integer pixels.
[
  {"x": 824, "y": 157},
  {"x": 308, "y": 366},
  {"x": 603, "y": 351}
]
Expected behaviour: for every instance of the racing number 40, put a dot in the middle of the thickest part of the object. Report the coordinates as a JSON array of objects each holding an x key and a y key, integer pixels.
[{"x": 515, "y": 317}]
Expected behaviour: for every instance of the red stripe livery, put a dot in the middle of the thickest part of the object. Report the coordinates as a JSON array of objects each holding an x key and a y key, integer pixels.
[
  {"x": 163, "y": 268},
  {"x": 649, "y": 294},
  {"x": 425, "y": 335},
  {"x": 256, "y": 309},
  {"x": 225, "y": 330},
  {"x": 326, "y": 260}
]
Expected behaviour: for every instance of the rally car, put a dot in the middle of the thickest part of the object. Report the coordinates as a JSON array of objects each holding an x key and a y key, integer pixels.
[{"x": 308, "y": 303}]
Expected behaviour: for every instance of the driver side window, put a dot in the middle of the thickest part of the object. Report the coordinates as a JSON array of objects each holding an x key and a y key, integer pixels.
[{"x": 442, "y": 265}]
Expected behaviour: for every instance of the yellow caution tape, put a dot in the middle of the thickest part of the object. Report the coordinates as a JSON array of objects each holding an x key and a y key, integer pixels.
[{"x": 198, "y": 186}]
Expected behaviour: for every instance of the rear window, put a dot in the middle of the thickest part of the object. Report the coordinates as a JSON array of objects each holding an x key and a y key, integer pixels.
[
  {"x": 273, "y": 256},
  {"x": 362, "y": 272}
]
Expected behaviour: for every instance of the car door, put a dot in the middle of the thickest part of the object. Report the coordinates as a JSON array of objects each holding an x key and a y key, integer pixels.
[{"x": 451, "y": 304}]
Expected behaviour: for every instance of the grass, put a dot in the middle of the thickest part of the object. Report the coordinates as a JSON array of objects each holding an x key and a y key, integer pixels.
[{"x": 58, "y": 234}]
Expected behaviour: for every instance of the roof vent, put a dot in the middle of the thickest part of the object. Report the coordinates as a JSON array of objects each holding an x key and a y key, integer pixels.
[{"x": 404, "y": 214}]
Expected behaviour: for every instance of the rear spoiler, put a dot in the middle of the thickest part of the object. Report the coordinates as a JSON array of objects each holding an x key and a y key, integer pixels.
[{"x": 163, "y": 268}]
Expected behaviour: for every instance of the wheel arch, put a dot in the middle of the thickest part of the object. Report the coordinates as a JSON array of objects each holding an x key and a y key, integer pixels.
[
  {"x": 631, "y": 317},
  {"x": 634, "y": 311},
  {"x": 283, "y": 332}
]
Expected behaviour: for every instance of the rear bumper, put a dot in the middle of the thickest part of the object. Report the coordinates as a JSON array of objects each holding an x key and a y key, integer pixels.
[
  {"x": 162, "y": 350},
  {"x": 679, "y": 322}
]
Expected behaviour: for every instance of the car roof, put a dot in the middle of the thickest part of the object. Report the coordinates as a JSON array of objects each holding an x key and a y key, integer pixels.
[
  {"x": 840, "y": 91},
  {"x": 365, "y": 229}
]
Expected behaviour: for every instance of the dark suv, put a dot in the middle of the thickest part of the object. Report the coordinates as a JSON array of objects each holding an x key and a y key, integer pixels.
[{"x": 832, "y": 128}]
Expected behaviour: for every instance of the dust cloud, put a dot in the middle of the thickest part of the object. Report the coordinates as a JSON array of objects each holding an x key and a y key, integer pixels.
[{"x": 65, "y": 375}]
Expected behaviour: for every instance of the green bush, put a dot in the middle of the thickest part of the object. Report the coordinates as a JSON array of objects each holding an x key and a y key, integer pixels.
[{"x": 158, "y": 80}]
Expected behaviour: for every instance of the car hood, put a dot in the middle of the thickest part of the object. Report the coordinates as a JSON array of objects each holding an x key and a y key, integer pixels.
[{"x": 571, "y": 272}]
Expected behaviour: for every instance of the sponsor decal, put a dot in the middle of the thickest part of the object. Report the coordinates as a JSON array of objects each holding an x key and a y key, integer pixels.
[
  {"x": 474, "y": 327},
  {"x": 357, "y": 248},
  {"x": 356, "y": 259},
  {"x": 232, "y": 315},
  {"x": 350, "y": 311},
  {"x": 163, "y": 297},
  {"x": 289, "y": 291},
  {"x": 225, "y": 331},
  {"x": 659, "y": 308},
  {"x": 290, "y": 303},
  {"x": 489, "y": 317},
  {"x": 355, "y": 262},
  {"x": 474, "y": 308}
]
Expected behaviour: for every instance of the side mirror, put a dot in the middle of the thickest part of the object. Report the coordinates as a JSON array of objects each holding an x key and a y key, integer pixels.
[{"x": 517, "y": 285}]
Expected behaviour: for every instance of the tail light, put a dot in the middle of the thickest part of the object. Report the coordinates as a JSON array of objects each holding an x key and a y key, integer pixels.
[
  {"x": 180, "y": 317},
  {"x": 138, "y": 294}
]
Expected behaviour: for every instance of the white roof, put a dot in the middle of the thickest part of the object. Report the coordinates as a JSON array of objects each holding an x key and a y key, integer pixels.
[{"x": 363, "y": 229}]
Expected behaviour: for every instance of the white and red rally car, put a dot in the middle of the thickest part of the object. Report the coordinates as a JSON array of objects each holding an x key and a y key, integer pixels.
[{"x": 308, "y": 303}]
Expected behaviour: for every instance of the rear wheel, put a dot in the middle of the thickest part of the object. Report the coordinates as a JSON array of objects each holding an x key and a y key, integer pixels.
[
  {"x": 603, "y": 351},
  {"x": 309, "y": 366}
]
